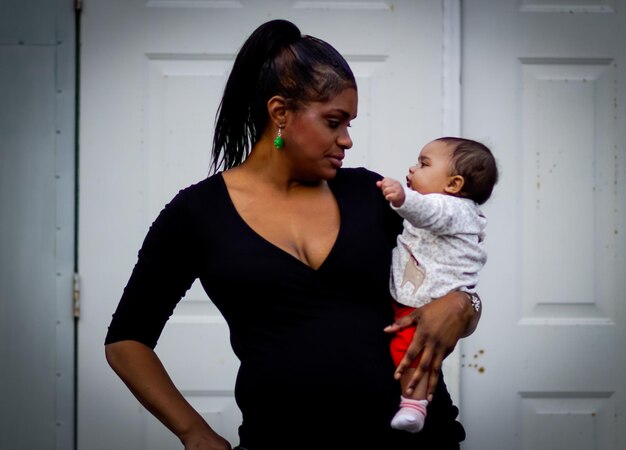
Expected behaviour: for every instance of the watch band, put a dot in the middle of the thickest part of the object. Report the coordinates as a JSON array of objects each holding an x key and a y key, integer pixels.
[{"x": 474, "y": 300}]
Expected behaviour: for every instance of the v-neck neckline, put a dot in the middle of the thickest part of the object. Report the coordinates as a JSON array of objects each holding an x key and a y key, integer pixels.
[{"x": 274, "y": 246}]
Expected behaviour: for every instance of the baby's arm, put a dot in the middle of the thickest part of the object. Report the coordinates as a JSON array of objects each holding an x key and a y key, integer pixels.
[
  {"x": 438, "y": 213},
  {"x": 392, "y": 190}
]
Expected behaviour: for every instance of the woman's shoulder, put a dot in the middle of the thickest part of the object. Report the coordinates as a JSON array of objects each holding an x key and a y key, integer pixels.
[
  {"x": 350, "y": 175},
  {"x": 208, "y": 184},
  {"x": 197, "y": 199},
  {"x": 358, "y": 184},
  {"x": 205, "y": 188}
]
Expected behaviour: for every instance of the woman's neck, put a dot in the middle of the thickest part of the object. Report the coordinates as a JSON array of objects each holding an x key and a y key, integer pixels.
[{"x": 266, "y": 165}]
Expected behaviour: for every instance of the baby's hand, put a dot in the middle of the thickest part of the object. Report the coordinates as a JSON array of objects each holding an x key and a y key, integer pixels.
[{"x": 392, "y": 190}]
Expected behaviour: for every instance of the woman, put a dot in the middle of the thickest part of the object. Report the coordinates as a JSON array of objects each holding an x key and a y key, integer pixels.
[{"x": 295, "y": 253}]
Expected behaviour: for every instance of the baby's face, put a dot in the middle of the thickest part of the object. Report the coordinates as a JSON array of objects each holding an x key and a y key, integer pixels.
[{"x": 432, "y": 172}]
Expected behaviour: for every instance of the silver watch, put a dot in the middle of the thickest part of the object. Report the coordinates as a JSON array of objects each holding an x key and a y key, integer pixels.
[{"x": 474, "y": 300}]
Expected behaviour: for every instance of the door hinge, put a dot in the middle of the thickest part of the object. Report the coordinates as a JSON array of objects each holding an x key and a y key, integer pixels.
[
  {"x": 76, "y": 297},
  {"x": 78, "y": 5}
]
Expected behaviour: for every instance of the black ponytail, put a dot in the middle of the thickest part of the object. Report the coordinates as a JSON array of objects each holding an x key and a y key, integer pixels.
[{"x": 236, "y": 128}]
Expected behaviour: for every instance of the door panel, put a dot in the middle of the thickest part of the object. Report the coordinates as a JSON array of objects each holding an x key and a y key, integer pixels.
[
  {"x": 152, "y": 77},
  {"x": 542, "y": 85},
  {"x": 27, "y": 349},
  {"x": 37, "y": 218}
]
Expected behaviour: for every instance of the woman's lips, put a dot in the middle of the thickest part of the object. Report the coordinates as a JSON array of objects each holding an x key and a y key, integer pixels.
[{"x": 336, "y": 160}]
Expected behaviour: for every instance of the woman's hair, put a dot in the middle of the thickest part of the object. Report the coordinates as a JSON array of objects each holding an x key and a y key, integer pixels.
[
  {"x": 476, "y": 164},
  {"x": 275, "y": 60}
]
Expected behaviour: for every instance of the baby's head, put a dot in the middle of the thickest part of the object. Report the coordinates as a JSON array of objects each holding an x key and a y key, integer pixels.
[{"x": 455, "y": 166}]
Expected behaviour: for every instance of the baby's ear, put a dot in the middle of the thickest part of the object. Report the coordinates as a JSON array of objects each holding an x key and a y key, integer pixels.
[{"x": 455, "y": 185}]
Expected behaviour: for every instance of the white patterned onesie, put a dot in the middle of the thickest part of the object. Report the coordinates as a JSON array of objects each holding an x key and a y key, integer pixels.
[{"x": 440, "y": 249}]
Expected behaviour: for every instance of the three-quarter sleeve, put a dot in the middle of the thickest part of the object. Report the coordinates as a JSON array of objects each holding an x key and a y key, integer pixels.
[{"x": 165, "y": 269}]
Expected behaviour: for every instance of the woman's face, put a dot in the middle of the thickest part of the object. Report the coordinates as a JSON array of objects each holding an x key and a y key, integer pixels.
[{"x": 316, "y": 136}]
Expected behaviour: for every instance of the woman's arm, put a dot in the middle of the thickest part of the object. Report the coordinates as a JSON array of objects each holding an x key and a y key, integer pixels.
[
  {"x": 141, "y": 370},
  {"x": 439, "y": 326}
]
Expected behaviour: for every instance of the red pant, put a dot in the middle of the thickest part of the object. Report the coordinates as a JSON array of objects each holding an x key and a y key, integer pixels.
[{"x": 401, "y": 340}]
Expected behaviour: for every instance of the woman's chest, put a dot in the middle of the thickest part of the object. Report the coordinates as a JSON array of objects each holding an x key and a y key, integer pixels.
[
  {"x": 305, "y": 228},
  {"x": 303, "y": 222}
]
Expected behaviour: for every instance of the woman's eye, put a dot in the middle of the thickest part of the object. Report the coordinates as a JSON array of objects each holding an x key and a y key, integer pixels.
[{"x": 333, "y": 123}]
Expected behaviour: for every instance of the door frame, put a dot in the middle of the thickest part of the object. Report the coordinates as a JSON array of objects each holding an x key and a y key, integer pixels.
[{"x": 451, "y": 101}]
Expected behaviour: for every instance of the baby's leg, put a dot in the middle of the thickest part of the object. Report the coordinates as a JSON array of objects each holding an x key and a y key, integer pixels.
[{"x": 412, "y": 413}]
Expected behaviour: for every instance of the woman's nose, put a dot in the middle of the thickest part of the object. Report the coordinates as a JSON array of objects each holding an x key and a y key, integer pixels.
[{"x": 345, "y": 141}]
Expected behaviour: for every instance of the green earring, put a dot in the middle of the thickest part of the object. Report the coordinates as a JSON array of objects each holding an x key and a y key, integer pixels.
[{"x": 279, "y": 142}]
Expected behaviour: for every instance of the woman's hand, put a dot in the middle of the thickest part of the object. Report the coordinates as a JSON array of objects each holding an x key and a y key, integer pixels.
[{"x": 439, "y": 326}]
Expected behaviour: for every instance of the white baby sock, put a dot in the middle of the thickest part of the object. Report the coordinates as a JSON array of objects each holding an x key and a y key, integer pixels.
[{"x": 411, "y": 415}]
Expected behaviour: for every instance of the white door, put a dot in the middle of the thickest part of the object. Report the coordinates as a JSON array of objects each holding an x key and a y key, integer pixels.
[
  {"x": 152, "y": 73},
  {"x": 543, "y": 85}
]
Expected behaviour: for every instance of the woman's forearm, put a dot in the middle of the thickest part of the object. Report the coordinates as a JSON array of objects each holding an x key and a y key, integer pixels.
[
  {"x": 142, "y": 371},
  {"x": 439, "y": 326}
]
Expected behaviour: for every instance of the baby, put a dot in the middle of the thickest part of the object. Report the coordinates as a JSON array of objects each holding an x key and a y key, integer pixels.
[{"x": 441, "y": 247}]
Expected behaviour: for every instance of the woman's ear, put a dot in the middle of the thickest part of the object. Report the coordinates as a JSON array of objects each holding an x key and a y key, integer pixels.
[
  {"x": 276, "y": 110},
  {"x": 455, "y": 185}
]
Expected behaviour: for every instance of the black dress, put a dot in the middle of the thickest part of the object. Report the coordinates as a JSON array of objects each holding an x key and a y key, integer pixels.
[{"x": 315, "y": 366}]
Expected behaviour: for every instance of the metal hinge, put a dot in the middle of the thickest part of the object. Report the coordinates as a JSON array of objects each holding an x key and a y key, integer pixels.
[
  {"x": 78, "y": 5},
  {"x": 76, "y": 301}
]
